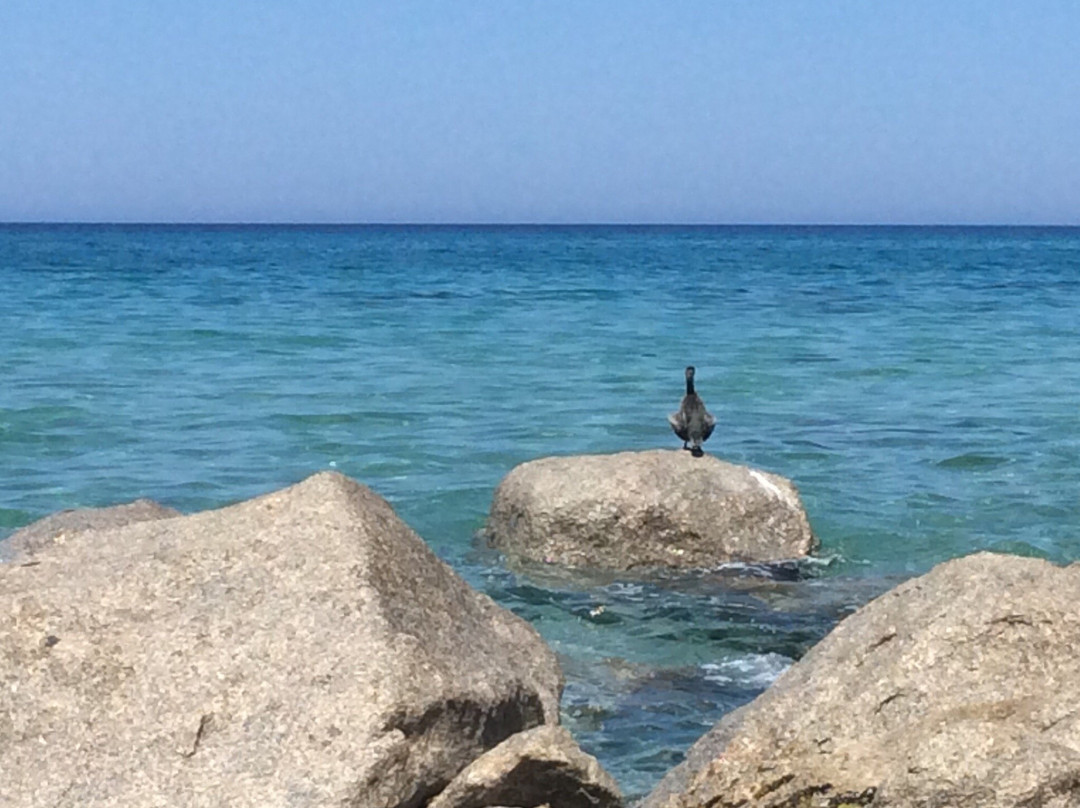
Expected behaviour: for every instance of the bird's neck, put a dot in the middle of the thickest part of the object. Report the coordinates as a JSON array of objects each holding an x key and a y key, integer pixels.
[{"x": 689, "y": 387}]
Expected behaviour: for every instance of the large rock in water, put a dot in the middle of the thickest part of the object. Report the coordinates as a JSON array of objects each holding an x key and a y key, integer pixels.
[
  {"x": 304, "y": 648},
  {"x": 23, "y": 543},
  {"x": 960, "y": 688},
  {"x": 646, "y": 509}
]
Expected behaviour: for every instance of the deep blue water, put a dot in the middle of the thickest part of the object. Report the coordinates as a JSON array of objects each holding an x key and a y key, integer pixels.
[{"x": 920, "y": 386}]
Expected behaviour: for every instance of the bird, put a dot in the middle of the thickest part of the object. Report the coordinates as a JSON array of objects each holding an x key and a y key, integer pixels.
[{"x": 692, "y": 423}]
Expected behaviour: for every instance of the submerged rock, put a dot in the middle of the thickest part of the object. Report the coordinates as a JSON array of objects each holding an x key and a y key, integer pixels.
[
  {"x": 538, "y": 767},
  {"x": 304, "y": 648},
  {"x": 57, "y": 527},
  {"x": 959, "y": 688},
  {"x": 646, "y": 509}
]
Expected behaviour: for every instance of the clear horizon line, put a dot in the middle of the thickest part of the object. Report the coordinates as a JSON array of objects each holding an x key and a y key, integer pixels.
[{"x": 338, "y": 223}]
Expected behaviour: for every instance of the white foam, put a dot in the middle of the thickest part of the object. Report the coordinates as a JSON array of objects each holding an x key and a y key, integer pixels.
[
  {"x": 626, "y": 589},
  {"x": 752, "y": 670}
]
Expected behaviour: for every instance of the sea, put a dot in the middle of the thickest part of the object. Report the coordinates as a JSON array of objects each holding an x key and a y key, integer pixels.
[{"x": 920, "y": 386}]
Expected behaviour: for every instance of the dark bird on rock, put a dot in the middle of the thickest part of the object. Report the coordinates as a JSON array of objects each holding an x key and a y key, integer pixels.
[{"x": 692, "y": 423}]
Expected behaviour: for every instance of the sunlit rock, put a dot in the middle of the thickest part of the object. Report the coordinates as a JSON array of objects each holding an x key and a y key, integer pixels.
[
  {"x": 637, "y": 510},
  {"x": 58, "y": 527},
  {"x": 304, "y": 648},
  {"x": 959, "y": 688}
]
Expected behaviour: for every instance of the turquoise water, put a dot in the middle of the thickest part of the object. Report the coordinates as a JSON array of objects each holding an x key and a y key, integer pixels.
[{"x": 920, "y": 386}]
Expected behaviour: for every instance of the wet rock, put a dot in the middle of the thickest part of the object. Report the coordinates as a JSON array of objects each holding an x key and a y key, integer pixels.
[
  {"x": 304, "y": 648},
  {"x": 646, "y": 509},
  {"x": 539, "y": 767},
  {"x": 56, "y": 528},
  {"x": 958, "y": 688}
]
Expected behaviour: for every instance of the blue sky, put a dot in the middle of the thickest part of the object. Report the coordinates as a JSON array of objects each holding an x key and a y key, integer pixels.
[{"x": 859, "y": 111}]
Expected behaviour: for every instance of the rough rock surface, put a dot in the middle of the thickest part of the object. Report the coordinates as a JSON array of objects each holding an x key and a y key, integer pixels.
[
  {"x": 23, "y": 543},
  {"x": 959, "y": 688},
  {"x": 304, "y": 648},
  {"x": 533, "y": 768},
  {"x": 646, "y": 509}
]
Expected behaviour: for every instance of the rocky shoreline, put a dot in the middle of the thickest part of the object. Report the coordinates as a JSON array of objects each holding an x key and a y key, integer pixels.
[{"x": 306, "y": 648}]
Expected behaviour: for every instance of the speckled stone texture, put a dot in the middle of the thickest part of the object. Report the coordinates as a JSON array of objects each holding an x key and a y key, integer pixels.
[
  {"x": 542, "y": 766},
  {"x": 57, "y": 527},
  {"x": 959, "y": 688},
  {"x": 650, "y": 509},
  {"x": 304, "y": 648}
]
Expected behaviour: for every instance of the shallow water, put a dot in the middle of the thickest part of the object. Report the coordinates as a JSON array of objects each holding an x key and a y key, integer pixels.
[{"x": 920, "y": 386}]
